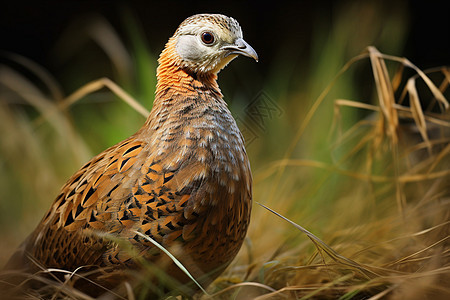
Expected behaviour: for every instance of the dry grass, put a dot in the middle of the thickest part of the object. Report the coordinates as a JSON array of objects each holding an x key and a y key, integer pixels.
[
  {"x": 378, "y": 203},
  {"x": 387, "y": 228}
]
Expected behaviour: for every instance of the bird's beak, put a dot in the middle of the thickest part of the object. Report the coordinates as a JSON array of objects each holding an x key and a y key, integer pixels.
[{"x": 241, "y": 47}]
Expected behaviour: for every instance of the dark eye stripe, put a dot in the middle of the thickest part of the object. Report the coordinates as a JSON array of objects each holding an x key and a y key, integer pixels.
[{"x": 207, "y": 38}]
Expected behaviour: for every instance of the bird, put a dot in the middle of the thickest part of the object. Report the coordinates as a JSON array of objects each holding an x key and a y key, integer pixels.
[{"x": 183, "y": 180}]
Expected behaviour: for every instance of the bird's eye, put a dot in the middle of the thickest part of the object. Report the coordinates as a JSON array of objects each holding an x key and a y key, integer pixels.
[{"x": 207, "y": 38}]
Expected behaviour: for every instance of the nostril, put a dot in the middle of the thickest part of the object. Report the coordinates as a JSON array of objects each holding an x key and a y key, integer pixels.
[{"x": 240, "y": 44}]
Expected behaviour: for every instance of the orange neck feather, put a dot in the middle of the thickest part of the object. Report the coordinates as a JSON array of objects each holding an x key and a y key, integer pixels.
[
  {"x": 172, "y": 76},
  {"x": 176, "y": 84}
]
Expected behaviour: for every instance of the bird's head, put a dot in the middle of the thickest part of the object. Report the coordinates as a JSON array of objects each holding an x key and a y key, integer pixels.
[{"x": 206, "y": 43}]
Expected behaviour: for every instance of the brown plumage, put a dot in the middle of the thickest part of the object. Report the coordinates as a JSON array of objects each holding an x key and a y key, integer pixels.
[{"x": 183, "y": 179}]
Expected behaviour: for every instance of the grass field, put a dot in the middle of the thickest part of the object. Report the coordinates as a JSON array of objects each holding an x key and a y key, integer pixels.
[{"x": 353, "y": 150}]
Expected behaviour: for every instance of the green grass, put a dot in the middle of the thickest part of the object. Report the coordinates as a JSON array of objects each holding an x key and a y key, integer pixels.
[{"x": 373, "y": 189}]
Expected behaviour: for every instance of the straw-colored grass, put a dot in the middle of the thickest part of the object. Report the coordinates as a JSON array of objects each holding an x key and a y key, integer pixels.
[
  {"x": 386, "y": 232},
  {"x": 356, "y": 207}
]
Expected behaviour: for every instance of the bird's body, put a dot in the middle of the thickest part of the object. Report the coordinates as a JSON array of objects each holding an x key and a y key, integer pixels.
[{"x": 183, "y": 179}]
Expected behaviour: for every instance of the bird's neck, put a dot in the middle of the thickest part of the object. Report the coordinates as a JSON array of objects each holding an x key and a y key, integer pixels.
[
  {"x": 173, "y": 75},
  {"x": 174, "y": 80},
  {"x": 179, "y": 89}
]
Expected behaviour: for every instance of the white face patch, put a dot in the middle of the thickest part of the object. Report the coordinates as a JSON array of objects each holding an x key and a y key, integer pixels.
[
  {"x": 201, "y": 56},
  {"x": 189, "y": 48}
]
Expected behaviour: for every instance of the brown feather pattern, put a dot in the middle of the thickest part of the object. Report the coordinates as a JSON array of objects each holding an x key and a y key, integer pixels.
[{"x": 183, "y": 179}]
